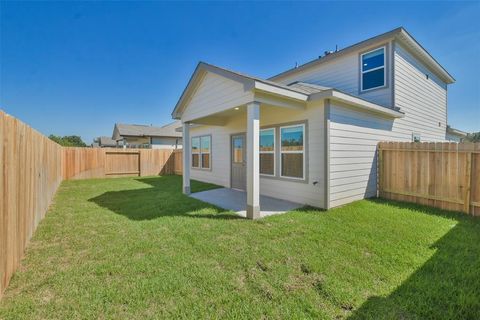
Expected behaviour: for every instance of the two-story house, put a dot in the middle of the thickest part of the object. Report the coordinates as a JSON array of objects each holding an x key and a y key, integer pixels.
[{"x": 309, "y": 134}]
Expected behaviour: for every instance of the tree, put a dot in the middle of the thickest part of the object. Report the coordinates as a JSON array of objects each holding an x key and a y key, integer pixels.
[
  {"x": 68, "y": 141},
  {"x": 473, "y": 137}
]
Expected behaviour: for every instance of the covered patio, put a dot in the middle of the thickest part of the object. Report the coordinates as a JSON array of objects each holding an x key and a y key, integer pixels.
[
  {"x": 236, "y": 200},
  {"x": 247, "y": 96}
]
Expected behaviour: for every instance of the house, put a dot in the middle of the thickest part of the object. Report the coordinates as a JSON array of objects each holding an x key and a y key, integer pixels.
[
  {"x": 309, "y": 134},
  {"x": 104, "y": 142},
  {"x": 455, "y": 135},
  {"x": 144, "y": 136}
]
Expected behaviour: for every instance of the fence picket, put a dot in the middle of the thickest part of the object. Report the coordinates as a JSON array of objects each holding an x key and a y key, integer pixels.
[{"x": 442, "y": 175}]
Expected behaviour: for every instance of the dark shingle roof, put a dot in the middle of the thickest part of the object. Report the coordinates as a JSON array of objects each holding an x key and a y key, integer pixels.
[{"x": 107, "y": 141}]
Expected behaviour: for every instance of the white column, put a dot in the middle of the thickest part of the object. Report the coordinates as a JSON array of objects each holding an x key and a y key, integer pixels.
[
  {"x": 253, "y": 161},
  {"x": 186, "y": 157}
]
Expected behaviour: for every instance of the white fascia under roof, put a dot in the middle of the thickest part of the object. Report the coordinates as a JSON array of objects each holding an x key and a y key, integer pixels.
[
  {"x": 362, "y": 104},
  {"x": 332, "y": 94}
]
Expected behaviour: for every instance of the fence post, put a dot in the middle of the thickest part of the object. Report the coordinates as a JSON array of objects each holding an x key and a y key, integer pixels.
[
  {"x": 380, "y": 170},
  {"x": 468, "y": 177}
]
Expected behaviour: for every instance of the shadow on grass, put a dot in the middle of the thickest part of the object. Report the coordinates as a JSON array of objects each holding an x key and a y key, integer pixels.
[
  {"x": 162, "y": 198},
  {"x": 447, "y": 286}
]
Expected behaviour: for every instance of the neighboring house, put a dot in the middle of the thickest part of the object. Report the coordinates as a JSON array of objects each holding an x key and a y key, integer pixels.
[
  {"x": 310, "y": 134},
  {"x": 143, "y": 136},
  {"x": 455, "y": 135},
  {"x": 104, "y": 142}
]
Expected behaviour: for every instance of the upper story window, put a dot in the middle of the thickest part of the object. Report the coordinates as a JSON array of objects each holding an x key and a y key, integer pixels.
[{"x": 373, "y": 69}]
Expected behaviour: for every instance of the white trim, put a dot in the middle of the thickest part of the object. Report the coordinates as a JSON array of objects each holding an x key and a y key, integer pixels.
[
  {"x": 270, "y": 152},
  {"x": 186, "y": 159},
  {"x": 280, "y": 91},
  {"x": 384, "y": 85},
  {"x": 195, "y": 152},
  {"x": 209, "y": 152},
  {"x": 293, "y": 152},
  {"x": 200, "y": 153},
  {"x": 253, "y": 165},
  {"x": 356, "y": 101}
]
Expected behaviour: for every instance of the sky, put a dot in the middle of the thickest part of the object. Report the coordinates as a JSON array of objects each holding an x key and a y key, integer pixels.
[{"x": 77, "y": 68}]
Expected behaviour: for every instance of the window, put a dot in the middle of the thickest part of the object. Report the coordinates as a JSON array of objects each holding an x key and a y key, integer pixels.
[
  {"x": 292, "y": 157},
  {"x": 195, "y": 152},
  {"x": 205, "y": 152},
  {"x": 238, "y": 147},
  {"x": 373, "y": 69},
  {"x": 267, "y": 151},
  {"x": 201, "y": 147},
  {"x": 416, "y": 137}
]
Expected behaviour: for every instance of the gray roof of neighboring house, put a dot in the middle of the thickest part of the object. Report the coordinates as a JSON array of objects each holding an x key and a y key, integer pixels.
[
  {"x": 106, "y": 141},
  {"x": 456, "y": 132},
  {"x": 138, "y": 130}
]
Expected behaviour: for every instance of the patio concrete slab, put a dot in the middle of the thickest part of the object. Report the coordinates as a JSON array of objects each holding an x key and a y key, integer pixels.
[{"x": 236, "y": 200}]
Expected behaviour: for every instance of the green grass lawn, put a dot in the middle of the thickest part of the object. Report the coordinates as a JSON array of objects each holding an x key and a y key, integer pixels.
[{"x": 136, "y": 248}]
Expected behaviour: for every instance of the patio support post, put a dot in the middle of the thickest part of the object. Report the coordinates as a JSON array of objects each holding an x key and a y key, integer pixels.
[
  {"x": 186, "y": 157},
  {"x": 253, "y": 160}
]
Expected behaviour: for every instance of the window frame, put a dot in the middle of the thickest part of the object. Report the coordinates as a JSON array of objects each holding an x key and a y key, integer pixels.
[
  {"x": 200, "y": 153},
  {"x": 384, "y": 85},
  {"x": 196, "y": 152},
  {"x": 270, "y": 152},
  {"x": 303, "y": 152}
]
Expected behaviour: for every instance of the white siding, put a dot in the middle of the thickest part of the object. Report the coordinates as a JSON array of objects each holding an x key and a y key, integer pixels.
[
  {"x": 424, "y": 101},
  {"x": 353, "y": 140},
  {"x": 214, "y": 94},
  {"x": 166, "y": 143},
  {"x": 305, "y": 193},
  {"x": 343, "y": 73},
  {"x": 137, "y": 140},
  {"x": 354, "y": 134}
]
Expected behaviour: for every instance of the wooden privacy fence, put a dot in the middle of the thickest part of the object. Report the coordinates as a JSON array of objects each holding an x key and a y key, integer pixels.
[
  {"x": 442, "y": 175},
  {"x": 86, "y": 163},
  {"x": 178, "y": 162},
  {"x": 32, "y": 168},
  {"x": 30, "y": 173}
]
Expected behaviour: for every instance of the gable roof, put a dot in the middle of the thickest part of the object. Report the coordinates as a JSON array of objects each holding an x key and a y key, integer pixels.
[
  {"x": 298, "y": 90},
  {"x": 399, "y": 34},
  {"x": 138, "y": 130},
  {"x": 107, "y": 141},
  {"x": 249, "y": 81}
]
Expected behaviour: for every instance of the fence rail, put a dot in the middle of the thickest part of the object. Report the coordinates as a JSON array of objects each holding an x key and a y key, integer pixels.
[
  {"x": 32, "y": 168},
  {"x": 442, "y": 175}
]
